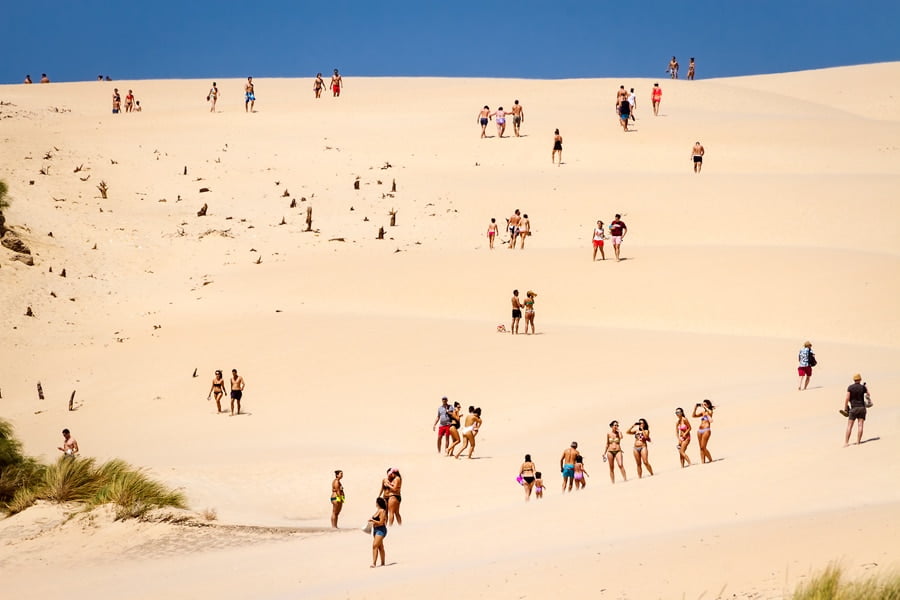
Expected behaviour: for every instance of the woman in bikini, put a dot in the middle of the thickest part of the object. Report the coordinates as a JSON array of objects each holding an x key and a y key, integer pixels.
[
  {"x": 538, "y": 485},
  {"x": 557, "y": 147},
  {"x": 524, "y": 229},
  {"x": 390, "y": 491},
  {"x": 683, "y": 434},
  {"x": 526, "y": 472},
  {"x": 379, "y": 530},
  {"x": 454, "y": 415},
  {"x": 217, "y": 389},
  {"x": 473, "y": 422},
  {"x": 501, "y": 121},
  {"x": 318, "y": 85},
  {"x": 529, "y": 310},
  {"x": 337, "y": 497},
  {"x": 614, "y": 451},
  {"x": 641, "y": 432},
  {"x": 704, "y": 411},
  {"x": 129, "y": 101}
]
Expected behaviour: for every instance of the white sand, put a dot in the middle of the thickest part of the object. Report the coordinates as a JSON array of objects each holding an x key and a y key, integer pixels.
[{"x": 790, "y": 233}]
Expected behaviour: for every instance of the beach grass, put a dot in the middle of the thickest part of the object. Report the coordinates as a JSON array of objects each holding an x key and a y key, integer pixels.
[
  {"x": 4, "y": 204},
  {"x": 831, "y": 585}
]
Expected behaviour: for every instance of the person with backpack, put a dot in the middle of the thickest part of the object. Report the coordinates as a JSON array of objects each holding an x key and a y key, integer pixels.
[{"x": 807, "y": 361}]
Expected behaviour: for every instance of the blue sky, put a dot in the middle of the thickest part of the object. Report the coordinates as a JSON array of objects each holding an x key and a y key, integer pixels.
[{"x": 75, "y": 40}]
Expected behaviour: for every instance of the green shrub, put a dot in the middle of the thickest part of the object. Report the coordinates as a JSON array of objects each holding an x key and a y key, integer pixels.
[
  {"x": 4, "y": 204},
  {"x": 830, "y": 585},
  {"x": 22, "y": 499},
  {"x": 69, "y": 480}
]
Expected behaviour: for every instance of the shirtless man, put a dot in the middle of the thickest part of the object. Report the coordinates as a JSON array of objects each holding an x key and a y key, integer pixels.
[
  {"x": 567, "y": 466},
  {"x": 117, "y": 101},
  {"x": 655, "y": 97},
  {"x": 249, "y": 95},
  {"x": 44, "y": 78},
  {"x": 697, "y": 153},
  {"x": 70, "y": 446},
  {"x": 513, "y": 226},
  {"x": 621, "y": 96},
  {"x": 518, "y": 114},
  {"x": 337, "y": 83},
  {"x": 28, "y": 79},
  {"x": 483, "y": 117},
  {"x": 673, "y": 68},
  {"x": 524, "y": 230},
  {"x": 516, "y": 313},
  {"x": 237, "y": 390}
]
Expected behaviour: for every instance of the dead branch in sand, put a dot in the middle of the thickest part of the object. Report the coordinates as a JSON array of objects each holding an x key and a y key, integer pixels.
[{"x": 103, "y": 189}]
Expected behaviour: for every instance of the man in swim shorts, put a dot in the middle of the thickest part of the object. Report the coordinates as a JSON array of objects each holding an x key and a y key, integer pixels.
[
  {"x": 617, "y": 230},
  {"x": 443, "y": 419},
  {"x": 518, "y": 116},
  {"x": 567, "y": 466},
  {"x": 624, "y": 113},
  {"x": 516, "y": 312},
  {"x": 855, "y": 403},
  {"x": 483, "y": 117},
  {"x": 697, "y": 153},
  {"x": 513, "y": 226},
  {"x": 249, "y": 96},
  {"x": 237, "y": 391},
  {"x": 337, "y": 83}
]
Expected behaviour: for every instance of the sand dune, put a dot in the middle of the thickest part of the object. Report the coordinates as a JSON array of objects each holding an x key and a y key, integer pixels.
[{"x": 790, "y": 233}]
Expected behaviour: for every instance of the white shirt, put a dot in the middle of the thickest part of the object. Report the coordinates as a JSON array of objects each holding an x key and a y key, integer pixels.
[{"x": 631, "y": 99}]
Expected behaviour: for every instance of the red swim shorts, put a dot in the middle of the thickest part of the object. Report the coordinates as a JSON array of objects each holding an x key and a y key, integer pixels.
[
  {"x": 598, "y": 243},
  {"x": 443, "y": 430},
  {"x": 336, "y": 88},
  {"x": 801, "y": 371}
]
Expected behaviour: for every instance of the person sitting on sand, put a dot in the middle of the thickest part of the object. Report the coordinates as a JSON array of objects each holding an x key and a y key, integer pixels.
[
  {"x": 704, "y": 412},
  {"x": 70, "y": 446},
  {"x": 567, "y": 465},
  {"x": 28, "y": 79},
  {"x": 137, "y": 106},
  {"x": 526, "y": 473},
  {"x": 697, "y": 153},
  {"x": 378, "y": 522},
  {"x": 557, "y": 148},
  {"x": 337, "y": 497},
  {"x": 614, "y": 454},
  {"x": 641, "y": 432},
  {"x": 581, "y": 474},
  {"x": 529, "y": 310},
  {"x": 683, "y": 435},
  {"x": 44, "y": 78},
  {"x": 318, "y": 85},
  {"x": 538, "y": 485},
  {"x": 472, "y": 423},
  {"x": 237, "y": 391},
  {"x": 217, "y": 390},
  {"x": 337, "y": 83}
]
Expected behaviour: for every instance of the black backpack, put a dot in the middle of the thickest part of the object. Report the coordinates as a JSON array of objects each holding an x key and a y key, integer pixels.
[{"x": 812, "y": 359}]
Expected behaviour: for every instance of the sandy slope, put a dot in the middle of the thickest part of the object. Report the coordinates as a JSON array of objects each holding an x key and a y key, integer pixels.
[{"x": 789, "y": 234}]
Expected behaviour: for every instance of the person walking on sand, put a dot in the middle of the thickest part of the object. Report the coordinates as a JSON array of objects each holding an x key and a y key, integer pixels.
[
  {"x": 516, "y": 313},
  {"x": 697, "y": 153},
  {"x": 455, "y": 415},
  {"x": 624, "y": 114},
  {"x": 129, "y": 101},
  {"x": 378, "y": 523},
  {"x": 337, "y": 84},
  {"x": 529, "y": 310},
  {"x": 217, "y": 390},
  {"x": 632, "y": 103},
  {"x": 641, "y": 432},
  {"x": 581, "y": 474},
  {"x": 512, "y": 224},
  {"x": 557, "y": 148},
  {"x": 538, "y": 485},
  {"x": 621, "y": 96},
  {"x": 470, "y": 430},
  {"x": 526, "y": 475},
  {"x": 690, "y": 74},
  {"x": 617, "y": 230},
  {"x": 673, "y": 68},
  {"x": 337, "y": 497},
  {"x": 704, "y": 412},
  {"x": 116, "y": 101},
  {"x": 599, "y": 240},
  {"x": 213, "y": 96},
  {"x": 390, "y": 489},
  {"x": 318, "y": 85},
  {"x": 500, "y": 121},
  {"x": 655, "y": 98},
  {"x": 613, "y": 452},
  {"x": 518, "y": 114},
  {"x": 483, "y": 117},
  {"x": 856, "y": 405},
  {"x": 524, "y": 230},
  {"x": 249, "y": 95},
  {"x": 567, "y": 466},
  {"x": 70, "y": 446},
  {"x": 237, "y": 391},
  {"x": 492, "y": 232},
  {"x": 683, "y": 435},
  {"x": 442, "y": 420},
  {"x": 807, "y": 359}
]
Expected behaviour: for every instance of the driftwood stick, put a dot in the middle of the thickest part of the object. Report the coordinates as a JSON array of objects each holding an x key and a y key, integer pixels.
[
  {"x": 40, "y": 391},
  {"x": 195, "y": 372},
  {"x": 309, "y": 218},
  {"x": 380, "y": 233},
  {"x": 72, "y": 401}
]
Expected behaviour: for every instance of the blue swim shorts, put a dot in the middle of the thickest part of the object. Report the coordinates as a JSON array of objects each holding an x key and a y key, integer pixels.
[{"x": 568, "y": 471}]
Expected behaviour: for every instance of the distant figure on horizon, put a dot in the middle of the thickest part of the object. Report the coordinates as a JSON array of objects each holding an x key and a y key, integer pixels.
[
  {"x": 516, "y": 313},
  {"x": 99, "y": 77},
  {"x": 632, "y": 101},
  {"x": 237, "y": 391},
  {"x": 518, "y": 117},
  {"x": 117, "y": 101},
  {"x": 70, "y": 446},
  {"x": 690, "y": 74},
  {"x": 697, "y": 153},
  {"x": 492, "y": 232},
  {"x": 683, "y": 435},
  {"x": 129, "y": 101},
  {"x": 217, "y": 390},
  {"x": 613, "y": 452},
  {"x": 483, "y": 117},
  {"x": 557, "y": 148},
  {"x": 213, "y": 96},
  {"x": 318, "y": 85},
  {"x": 567, "y": 466},
  {"x": 704, "y": 411},
  {"x": 501, "y": 121},
  {"x": 44, "y": 78},
  {"x": 617, "y": 229},
  {"x": 641, "y": 432},
  {"x": 673, "y": 68},
  {"x": 655, "y": 97},
  {"x": 337, "y": 497},
  {"x": 856, "y": 404},
  {"x": 27, "y": 79},
  {"x": 599, "y": 239},
  {"x": 249, "y": 95},
  {"x": 337, "y": 83},
  {"x": 108, "y": 78},
  {"x": 807, "y": 359}
]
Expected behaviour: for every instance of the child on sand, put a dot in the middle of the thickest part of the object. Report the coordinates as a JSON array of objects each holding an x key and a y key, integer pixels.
[
  {"x": 580, "y": 474},
  {"x": 492, "y": 232},
  {"x": 538, "y": 485}
]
